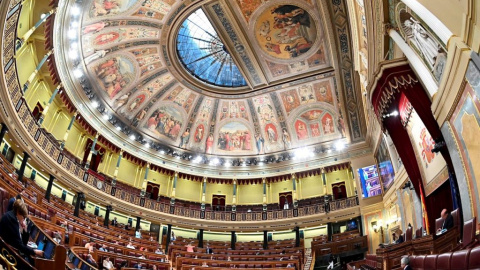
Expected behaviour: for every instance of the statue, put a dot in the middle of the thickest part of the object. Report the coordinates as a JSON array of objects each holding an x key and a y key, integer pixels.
[{"x": 423, "y": 40}]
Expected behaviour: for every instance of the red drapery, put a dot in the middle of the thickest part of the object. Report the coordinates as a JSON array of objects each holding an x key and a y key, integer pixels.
[{"x": 386, "y": 97}]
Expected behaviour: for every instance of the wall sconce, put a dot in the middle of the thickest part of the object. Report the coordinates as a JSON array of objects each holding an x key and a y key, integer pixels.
[{"x": 374, "y": 226}]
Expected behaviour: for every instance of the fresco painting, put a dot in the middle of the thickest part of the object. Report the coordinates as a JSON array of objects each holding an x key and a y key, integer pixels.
[
  {"x": 124, "y": 34},
  {"x": 114, "y": 74},
  {"x": 301, "y": 130},
  {"x": 233, "y": 109},
  {"x": 290, "y": 100},
  {"x": 101, "y": 8},
  {"x": 285, "y": 31},
  {"x": 234, "y": 136},
  {"x": 165, "y": 122},
  {"x": 323, "y": 92},
  {"x": 328, "y": 124}
]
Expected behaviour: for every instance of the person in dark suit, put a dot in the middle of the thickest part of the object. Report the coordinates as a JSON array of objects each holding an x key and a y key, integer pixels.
[
  {"x": 13, "y": 229},
  {"x": 405, "y": 263},
  {"x": 400, "y": 237},
  {"x": 114, "y": 222},
  {"x": 447, "y": 220}
]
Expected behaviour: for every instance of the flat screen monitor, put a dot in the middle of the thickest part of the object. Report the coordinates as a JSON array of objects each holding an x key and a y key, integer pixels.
[
  {"x": 41, "y": 245},
  {"x": 49, "y": 248},
  {"x": 40, "y": 238},
  {"x": 33, "y": 231},
  {"x": 370, "y": 182},
  {"x": 352, "y": 225}
]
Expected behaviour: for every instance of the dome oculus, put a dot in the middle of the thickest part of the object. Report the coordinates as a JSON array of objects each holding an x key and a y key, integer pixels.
[{"x": 204, "y": 55}]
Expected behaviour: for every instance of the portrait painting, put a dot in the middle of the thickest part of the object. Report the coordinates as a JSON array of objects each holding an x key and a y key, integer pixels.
[
  {"x": 271, "y": 132},
  {"x": 285, "y": 31},
  {"x": 315, "y": 128},
  {"x": 301, "y": 130},
  {"x": 328, "y": 124}
]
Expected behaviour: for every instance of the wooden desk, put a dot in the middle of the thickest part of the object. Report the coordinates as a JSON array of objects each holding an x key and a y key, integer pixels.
[{"x": 352, "y": 244}]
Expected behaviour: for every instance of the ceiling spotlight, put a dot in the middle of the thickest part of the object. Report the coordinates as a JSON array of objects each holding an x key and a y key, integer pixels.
[
  {"x": 394, "y": 113},
  {"x": 77, "y": 73},
  {"x": 73, "y": 55},
  {"x": 329, "y": 150},
  {"x": 197, "y": 159},
  {"x": 95, "y": 104},
  {"x": 75, "y": 11},
  {"x": 147, "y": 145},
  {"x": 227, "y": 164},
  {"x": 119, "y": 128},
  {"x": 215, "y": 162},
  {"x": 74, "y": 46},
  {"x": 340, "y": 145},
  {"x": 74, "y": 24},
  {"x": 106, "y": 117},
  {"x": 132, "y": 137},
  {"x": 162, "y": 152},
  {"x": 43, "y": 15},
  {"x": 72, "y": 34}
]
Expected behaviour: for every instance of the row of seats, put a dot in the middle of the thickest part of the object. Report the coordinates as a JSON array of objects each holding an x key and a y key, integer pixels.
[{"x": 468, "y": 259}]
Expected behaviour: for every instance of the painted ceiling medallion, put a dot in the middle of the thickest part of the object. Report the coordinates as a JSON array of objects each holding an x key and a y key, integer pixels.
[{"x": 285, "y": 31}]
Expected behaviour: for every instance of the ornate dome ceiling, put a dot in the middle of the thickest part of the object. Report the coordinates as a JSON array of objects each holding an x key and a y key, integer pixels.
[{"x": 222, "y": 78}]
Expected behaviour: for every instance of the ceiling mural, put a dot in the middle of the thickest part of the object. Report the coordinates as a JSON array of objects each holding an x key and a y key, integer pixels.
[{"x": 227, "y": 78}]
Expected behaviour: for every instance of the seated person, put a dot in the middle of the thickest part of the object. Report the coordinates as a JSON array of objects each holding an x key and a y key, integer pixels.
[
  {"x": 190, "y": 247},
  {"x": 57, "y": 236},
  {"x": 107, "y": 264},
  {"x": 447, "y": 220},
  {"x": 204, "y": 264},
  {"x": 154, "y": 267},
  {"x": 91, "y": 261},
  {"x": 65, "y": 226},
  {"x": 130, "y": 246},
  {"x": 138, "y": 266},
  {"x": 103, "y": 248},
  {"x": 13, "y": 229},
  {"x": 405, "y": 263},
  {"x": 158, "y": 251},
  {"x": 90, "y": 245},
  {"x": 13, "y": 199},
  {"x": 141, "y": 257},
  {"x": 209, "y": 249},
  {"x": 400, "y": 237},
  {"x": 138, "y": 234}
]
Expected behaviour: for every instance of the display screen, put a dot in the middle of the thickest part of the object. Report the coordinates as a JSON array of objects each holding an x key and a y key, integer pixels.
[
  {"x": 49, "y": 248},
  {"x": 385, "y": 167},
  {"x": 370, "y": 181},
  {"x": 352, "y": 225}
]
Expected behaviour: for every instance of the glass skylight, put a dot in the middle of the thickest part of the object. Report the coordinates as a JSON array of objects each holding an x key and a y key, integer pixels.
[{"x": 204, "y": 55}]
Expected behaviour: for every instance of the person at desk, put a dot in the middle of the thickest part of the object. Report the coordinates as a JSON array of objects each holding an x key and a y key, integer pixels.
[
  {"x": 405, "y": 263},
  {"x": 447, "y": 220},
  {"x": 114, "y": 222},
  {"x": 107, "y": 264},
  {"x": 190, "y": 247},
  {"x": 400, "y": 237},
  {"x": 13, "y": 229},
  {"x": 90, "y": 245},
  {"x": 13, "y": 199},
  {"x": 130, "y": 246},
  {"x": 138, "y": 234},
  {"x": 92, "y": 261}
]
